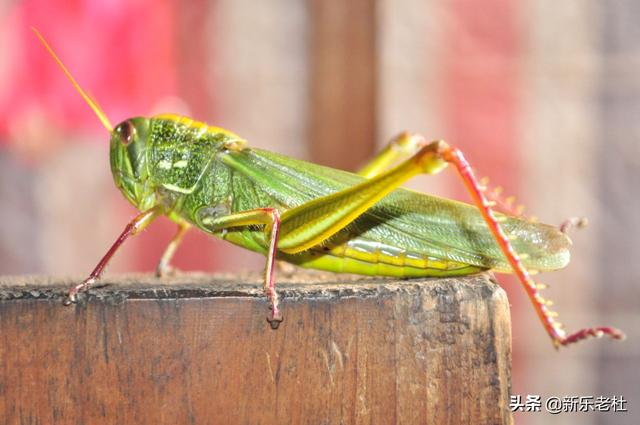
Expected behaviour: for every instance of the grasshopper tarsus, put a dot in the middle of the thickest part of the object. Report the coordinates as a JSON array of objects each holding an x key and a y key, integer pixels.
[
  {"x": 599, "y": 332},
  {"x": 72, "y": 296},
  {"x": 163, "y": 271},
  {"x": 275, "y": 320}
]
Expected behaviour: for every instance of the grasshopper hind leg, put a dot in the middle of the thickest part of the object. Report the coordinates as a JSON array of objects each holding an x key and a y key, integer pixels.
[
  {"x": 310, "y": 224},
  {"x": 555, "y": 330},
  {"x": 401, "y": 147}
]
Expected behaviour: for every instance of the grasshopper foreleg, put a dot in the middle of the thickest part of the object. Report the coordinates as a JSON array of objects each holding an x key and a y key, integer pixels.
[{"x": 134, "y": 227}]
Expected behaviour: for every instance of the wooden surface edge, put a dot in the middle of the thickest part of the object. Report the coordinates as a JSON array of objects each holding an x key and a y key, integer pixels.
[
  {"x": 198, "y": 348},
  {"x": 193, "y": 285}
]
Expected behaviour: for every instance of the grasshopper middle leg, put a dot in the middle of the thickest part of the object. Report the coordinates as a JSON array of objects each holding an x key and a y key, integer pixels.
[
  {"x": 164, "y": 265},
  {"x": 270, "y": 217}
]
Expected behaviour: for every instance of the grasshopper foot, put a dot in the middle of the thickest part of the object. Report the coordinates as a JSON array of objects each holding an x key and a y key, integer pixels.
[
  {"x": 592, "y": 333},
  {"x": 166, "y": 270},
  {"x": 72, "y": 297},
  {"x": 275, "y": 319}
]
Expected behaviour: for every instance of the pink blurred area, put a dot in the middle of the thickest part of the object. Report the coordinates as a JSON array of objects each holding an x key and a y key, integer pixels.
[
  {"x": 127, "y": 63},
  {"x": 130, "y": 67}
]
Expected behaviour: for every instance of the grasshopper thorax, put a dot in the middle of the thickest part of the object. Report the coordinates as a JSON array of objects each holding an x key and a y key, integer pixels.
[{"x": 128, "y": 148}]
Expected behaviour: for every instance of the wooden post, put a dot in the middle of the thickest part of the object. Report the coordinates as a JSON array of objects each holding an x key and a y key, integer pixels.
[{"x": 198, "y": 349}]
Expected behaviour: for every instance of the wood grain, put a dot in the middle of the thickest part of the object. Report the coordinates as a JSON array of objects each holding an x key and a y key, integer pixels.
[{"x": 197, "y": 349}]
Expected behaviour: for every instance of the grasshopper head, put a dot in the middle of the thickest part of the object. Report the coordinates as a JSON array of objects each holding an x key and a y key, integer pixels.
[
  {"x": 128, "y": 162},
  {"x": 128, "y": 146}
]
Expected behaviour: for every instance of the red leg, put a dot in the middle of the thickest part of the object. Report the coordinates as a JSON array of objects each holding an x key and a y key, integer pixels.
[
  {"x": 270, "y": 217},
  {"x": 135, "y": 226},
  {"x": 553, "y": 327}
]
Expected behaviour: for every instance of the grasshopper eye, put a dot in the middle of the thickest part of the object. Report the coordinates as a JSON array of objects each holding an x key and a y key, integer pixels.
[{"x": 126, "y": 131}]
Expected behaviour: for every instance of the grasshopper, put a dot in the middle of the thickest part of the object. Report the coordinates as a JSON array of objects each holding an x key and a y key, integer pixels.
[{"x": 322, "y": 218}]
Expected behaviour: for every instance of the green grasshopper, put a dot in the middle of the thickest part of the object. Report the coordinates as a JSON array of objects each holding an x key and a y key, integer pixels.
[{"x": 322, "y": 218}]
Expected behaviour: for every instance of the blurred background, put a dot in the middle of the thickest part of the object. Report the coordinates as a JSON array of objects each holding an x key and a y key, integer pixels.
[{"x": 542, "y": 96}]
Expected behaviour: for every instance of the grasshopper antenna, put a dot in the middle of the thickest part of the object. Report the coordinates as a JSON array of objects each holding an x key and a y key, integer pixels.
[{"x": 92, "y": 103}]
